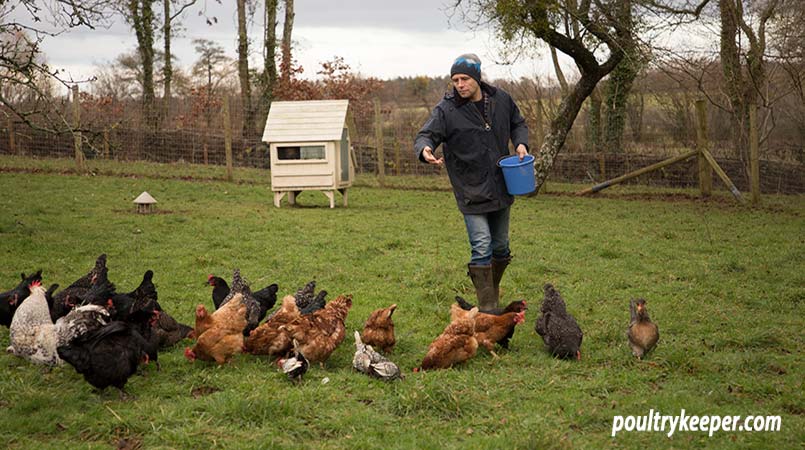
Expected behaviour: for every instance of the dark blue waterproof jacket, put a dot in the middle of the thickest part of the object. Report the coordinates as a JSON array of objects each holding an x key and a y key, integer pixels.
[{"x": 471, "y": 151}]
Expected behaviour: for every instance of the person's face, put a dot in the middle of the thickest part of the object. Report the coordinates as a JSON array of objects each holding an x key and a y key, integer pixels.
[{"x": 466, "y": 86}]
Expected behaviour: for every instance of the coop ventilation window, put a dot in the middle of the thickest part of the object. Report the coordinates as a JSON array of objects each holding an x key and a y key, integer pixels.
[{"x": 305, "y": 152}]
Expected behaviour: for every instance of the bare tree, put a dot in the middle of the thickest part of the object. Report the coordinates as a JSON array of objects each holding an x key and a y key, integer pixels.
[
  {"x": 542, "y": 20},
  {"x": 287, "y": 29},
  {"x": 268, "y": 79},
  {"x": 167, "y": 31},
  {"x": 140, "y": 14},
  {"x": 243, "y": 71},
  {"x": 27, "y": 83}
]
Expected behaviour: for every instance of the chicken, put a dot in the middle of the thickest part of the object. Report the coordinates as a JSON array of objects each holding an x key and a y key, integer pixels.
[
  {"x": 220, "y": 289},
  {"x": 68, "y": 298},
  {"x": 456, "y": 344},
  {"x": 220, "y": 334},
  {"x": 515, "y": 306},
  {"x": 266, "y": 297},
  {"x": 295, "y": 365},
  {"x": 643, "y": 334},
  {"x": 11, "y": 299},
  {"x": 141, "y": 298},
  {"x": 559, "y": 330},
  {"x": 253, "y": 307},
  {"x": 169, "y": 331},
  {"x": 80, "y": 321},
  {"x": 320, "y": 333},
  {"x": 144, "y": 321},
  {"x": 367, "y": 360},
  {"x": 272, "y": 337},
  {"x": 493, "y": 329},
  {"x": 378, "y": 331},
  {"x": 308, "y": 301},
  {"x": 32, "y": 334},
  {"x": 166, "y": 329},
  {"x": 107, "y": 356}
]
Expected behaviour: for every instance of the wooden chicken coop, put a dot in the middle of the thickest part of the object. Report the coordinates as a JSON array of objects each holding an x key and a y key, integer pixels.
[{"x": 310, "y": 149}]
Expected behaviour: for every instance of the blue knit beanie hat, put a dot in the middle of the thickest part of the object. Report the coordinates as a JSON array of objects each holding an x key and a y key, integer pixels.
[{"x": 468, "y": 64}]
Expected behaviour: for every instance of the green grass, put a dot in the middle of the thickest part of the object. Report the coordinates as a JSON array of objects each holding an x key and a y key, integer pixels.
[{"x": 726, "y": 284}]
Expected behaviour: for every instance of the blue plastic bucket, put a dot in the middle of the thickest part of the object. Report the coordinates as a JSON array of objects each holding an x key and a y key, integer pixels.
[{"x": 519, "y": 175}]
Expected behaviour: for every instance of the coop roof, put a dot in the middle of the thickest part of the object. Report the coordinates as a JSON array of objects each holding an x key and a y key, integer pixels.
[
  {"x": 306, "y": 121},
  {"x": 145, "y": 199}
]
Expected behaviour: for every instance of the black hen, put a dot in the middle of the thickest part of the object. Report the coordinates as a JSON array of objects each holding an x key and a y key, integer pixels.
[
  {"x": 108, "y": 356},
  {"x": 267, "y": 298},
  {"x": 559, "y": 330},
  {"x": 11, "y": 299},
  {"x": 68, "y": 298},
  {"x": 515, "y": 306},
  {"x": 253, "y": 307},
  {"x": 220, "y": 289},
  {"x": 143, "y": 310}
]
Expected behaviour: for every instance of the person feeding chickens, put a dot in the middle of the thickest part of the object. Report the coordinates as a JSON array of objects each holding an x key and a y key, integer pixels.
[{"x": 474, "y": 124}]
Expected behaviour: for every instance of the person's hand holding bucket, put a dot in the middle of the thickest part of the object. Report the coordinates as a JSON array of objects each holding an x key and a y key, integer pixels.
[{"x": 521, "y": 151}]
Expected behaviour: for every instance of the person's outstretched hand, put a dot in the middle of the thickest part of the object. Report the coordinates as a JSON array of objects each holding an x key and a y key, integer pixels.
[{"x": 427, "y": 154}]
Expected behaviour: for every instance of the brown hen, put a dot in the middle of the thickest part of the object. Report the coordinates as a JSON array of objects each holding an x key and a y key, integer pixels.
[
  {"x": 320, "y": 333},
  {"x": 378, "y": 331},
  {"x": 492, "y": 329},
  {"x": 456, "y": 344},
  {"x": 272, "y": 337},
  {"x": 220, "y": 334}
]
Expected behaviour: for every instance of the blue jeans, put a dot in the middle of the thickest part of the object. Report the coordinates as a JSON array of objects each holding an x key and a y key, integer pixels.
[{"x": 489, "y": 235}]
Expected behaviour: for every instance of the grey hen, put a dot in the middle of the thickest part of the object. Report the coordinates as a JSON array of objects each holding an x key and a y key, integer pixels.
[
  {"x": 80, "y": 321},
  {"x": 559, "y": 330},
  {"x": 294, "y": 365},
  {"x": 367, "y": 360},
  {"x": 239, "y": 286}
]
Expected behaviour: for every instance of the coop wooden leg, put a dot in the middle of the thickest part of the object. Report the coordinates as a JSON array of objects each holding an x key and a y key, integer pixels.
[
  {"x": 292, "y": 198},
  {"x": 344, "y": 193},
  {"x": 331, "y": 196},
  {"x": 278, "y": 198}
]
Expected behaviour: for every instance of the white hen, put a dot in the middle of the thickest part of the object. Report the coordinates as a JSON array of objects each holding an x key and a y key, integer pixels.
[{"x": 32, "y": 333}]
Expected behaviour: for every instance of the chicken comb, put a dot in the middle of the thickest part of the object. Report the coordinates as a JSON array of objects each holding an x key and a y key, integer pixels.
[
  {"x": 35, "y": 283},
  {"x": 210, "y": 277}
]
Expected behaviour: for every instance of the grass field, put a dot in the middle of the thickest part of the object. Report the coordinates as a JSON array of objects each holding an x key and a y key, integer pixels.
[{"x": 725, "y": 283}]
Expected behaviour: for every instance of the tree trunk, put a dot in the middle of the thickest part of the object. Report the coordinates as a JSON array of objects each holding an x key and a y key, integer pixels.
[
  {"x": 142, "y": 17},
  {"x": 167, "y": 70},
  {"x": 562, "y": 123},
  {"x": 731, "y": 67},
  {"x": 620, "y": 85},
  {"x": 560, "y": 76},
  {"x": 269, "y": 76},
  {"x": 286, "y": 41},
  {"x": 243, "y": 71},
  {"x": 594, "y": 122}
]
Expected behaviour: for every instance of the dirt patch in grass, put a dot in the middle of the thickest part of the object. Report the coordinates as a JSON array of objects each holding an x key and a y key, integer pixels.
[{"x": 201, "y": 391}]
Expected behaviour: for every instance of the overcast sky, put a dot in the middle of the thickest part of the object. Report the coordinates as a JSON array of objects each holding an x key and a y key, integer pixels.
[{"x": 383, "y": 39}]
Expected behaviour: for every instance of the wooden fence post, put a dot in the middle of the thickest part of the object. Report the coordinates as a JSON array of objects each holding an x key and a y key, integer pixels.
[
  {"x": 705, "y": 171},
  {"x": 105, "y": 144},
  {"x": 227, "y": 138},
  {"x": 754, "y": 154},
  {"x": 381, "y": 163},
  {"x": 12, "y": 142},
  {"x": 80, "y": 161}
]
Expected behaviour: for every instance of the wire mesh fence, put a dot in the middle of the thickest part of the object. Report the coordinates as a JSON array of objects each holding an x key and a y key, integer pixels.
[{"x": 194, "y": 132}]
